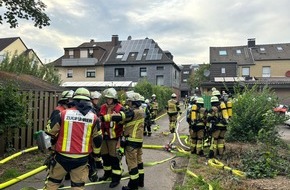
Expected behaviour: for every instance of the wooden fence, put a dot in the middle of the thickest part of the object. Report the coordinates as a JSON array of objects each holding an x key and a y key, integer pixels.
[{"x": 40, "y": 106}]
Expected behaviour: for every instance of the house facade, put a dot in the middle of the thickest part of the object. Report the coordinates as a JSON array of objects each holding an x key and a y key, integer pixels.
[
  {"x": 265, "y": 64},
  {"x": 127, "y": 60},
  {"x": 14, "y": 47}
]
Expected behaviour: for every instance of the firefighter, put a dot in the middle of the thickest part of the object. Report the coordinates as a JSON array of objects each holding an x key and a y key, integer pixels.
[
  {"x": 172, "y": 111},
  {"x": 196, "y": 119},
  {"x": 154, "y": 108},
  {"x": 133, "y": 134},
  {"x": 217, "y": 121},
  {"x": 72, "y": 150},
  {"x": 95, "y": 96},
  {"x": 147, "y": 122},
  {"x": 64, "y": 103},
  {"x": 112, "y": 133}
]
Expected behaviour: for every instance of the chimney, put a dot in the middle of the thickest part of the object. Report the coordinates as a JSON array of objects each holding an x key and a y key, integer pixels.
[
  {"x": 92, "y": 41},
  {"x": 115, "y": 40},
  {"x": 251, "y": 43}
]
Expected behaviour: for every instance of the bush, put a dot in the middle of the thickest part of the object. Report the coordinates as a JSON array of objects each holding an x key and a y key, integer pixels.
[
  {"x": 253, "y": 116},
  {"x": 146, "y": 89},
  {"x": 12, "y": 112}
]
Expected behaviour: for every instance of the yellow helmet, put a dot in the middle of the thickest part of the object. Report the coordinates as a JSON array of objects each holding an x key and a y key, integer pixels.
[
  {"x": 200, "y": 101},
  {"x": 214, "y": 99},
  {"x": 216, "y": 93},
  {"x": 65, "y": 95},
  {"x": 82, "y": 94}
]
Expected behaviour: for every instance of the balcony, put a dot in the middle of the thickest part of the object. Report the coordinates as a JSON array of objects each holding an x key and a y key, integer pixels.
[{"x": 79, "y": 62}]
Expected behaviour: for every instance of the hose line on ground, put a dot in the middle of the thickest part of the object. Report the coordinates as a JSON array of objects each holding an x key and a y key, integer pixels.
[
  {"x": 17, "y": 154},
  {"x": 219, "y": 165}
]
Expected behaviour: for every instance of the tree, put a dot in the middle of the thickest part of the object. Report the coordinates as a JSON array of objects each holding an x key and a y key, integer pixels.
[
  {"x": 198, "y": 76},
  {"x": 28, "y": 9},
  {"x": 23, "y": 64}
]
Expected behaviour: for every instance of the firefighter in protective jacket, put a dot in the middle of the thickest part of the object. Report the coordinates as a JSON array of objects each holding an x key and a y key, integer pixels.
[
  {"x": 75, "y": 134},
  {"x": 112, "y": 132},
  {"x": 172, "y": 111},
  {"x": 217, "y": 121},
  {"x": 196, "y": 119},
  {"x": 133, "y": 120}
]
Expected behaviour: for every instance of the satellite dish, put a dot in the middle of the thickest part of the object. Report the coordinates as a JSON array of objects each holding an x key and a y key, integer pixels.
[{"x": 206, "y": 73}]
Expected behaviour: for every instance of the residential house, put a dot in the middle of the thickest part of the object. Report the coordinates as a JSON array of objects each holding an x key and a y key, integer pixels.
[
  {"x": 186, "y": 71},
  {"x": 122, "y": 64},
  {"x": 14, "y": 47},
  {"x": 265, "y": 64}
]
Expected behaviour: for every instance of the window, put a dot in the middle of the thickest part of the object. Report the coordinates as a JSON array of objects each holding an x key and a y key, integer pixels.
[
  {"x": 266, "y": 71},
  {"x": 71, "y": 53},
  {"x": 143, "y": 72},
  {"x": 84, "y": 53},
  {"x": 160, "y": 68},
  {"x": 90, "y": 53},
  {"x": 69, "y": 73},
  {"x": 245, "y": 71},
  {"x": 262, "y": 49},
  {"x": 222, "y": 52},
  {"x": 175, "y": 74},
  {"x": 119, "y": 56},
  {"x": 184, "y": 80},
  {"x": 223, "y": 70},
  {"x": 91, "y": 73},
  {"x": 238, "y": 51},
  {"x": 186, "y": 72},
  {"x": 159, "y": 80},
  {"x": 119, "y": 72},
  {"x": 279, "y": 48}
]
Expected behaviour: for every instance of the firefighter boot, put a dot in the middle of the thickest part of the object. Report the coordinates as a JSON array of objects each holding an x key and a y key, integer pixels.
[
  {"x": 106, "y": 175},
  {"x": 211, "y": 154}
]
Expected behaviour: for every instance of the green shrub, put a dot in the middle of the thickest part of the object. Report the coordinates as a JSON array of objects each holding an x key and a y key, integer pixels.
[{"x": 253, "y": 115}]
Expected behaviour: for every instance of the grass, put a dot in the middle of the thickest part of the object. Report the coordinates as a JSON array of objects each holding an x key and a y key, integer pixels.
[{"x": 21, "y": 165}]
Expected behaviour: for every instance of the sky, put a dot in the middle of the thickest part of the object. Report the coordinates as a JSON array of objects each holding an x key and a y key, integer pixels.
[{"x": 186, "y": 28}]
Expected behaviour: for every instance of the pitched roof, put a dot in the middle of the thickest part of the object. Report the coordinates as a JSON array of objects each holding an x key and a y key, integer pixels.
[
  {"x": 244, "y": 55},
  {"x": 28, "y": 82},
  {"x": 4, "y": 42},
  {"x": 143, "y": 50}
]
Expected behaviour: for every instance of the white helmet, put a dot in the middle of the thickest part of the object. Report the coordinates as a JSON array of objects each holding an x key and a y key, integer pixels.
[
  {"x": 95, "y": 95},
  {"x": 147, "y": 101},
  {"x": 173, "y": 95},
  {"x": 153, "y": 95},
  {"x": 133, "y": 96},
  {"x": 110, "y": 93},
  {"x": 142, "y": 98}
]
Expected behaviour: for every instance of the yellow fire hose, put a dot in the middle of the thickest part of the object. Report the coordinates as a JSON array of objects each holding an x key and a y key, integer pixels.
[
  {"x": 17, "y": 154},
  {"x": 219, "y": 165},
  {"x": 22, "y": 177}
]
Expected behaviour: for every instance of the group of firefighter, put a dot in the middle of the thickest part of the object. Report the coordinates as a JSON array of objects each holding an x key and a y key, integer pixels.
[
  {"x": 86, "y": 136},
  {"x": 207, "y": 127}
]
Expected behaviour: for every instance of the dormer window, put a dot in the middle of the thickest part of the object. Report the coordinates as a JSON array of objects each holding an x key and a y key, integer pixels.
[
  {"x": 279, "y": 48},
  {"x": 238, "y": 51},
  {"x": 223, "y": 52},
  {"x": 262, "y": 49},
  {"x": 119, "y": 56}
]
